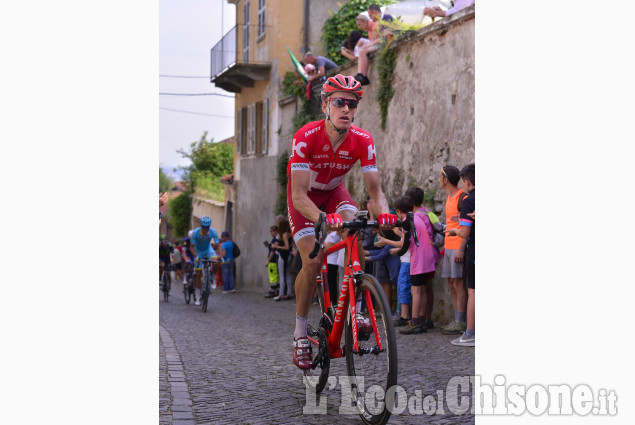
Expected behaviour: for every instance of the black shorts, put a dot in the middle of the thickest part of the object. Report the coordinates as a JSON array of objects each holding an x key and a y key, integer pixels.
[
  {"x": 419, "y": 279},
  {"x": 178, "y": 266},
  {"x": 470, "y": 272}
]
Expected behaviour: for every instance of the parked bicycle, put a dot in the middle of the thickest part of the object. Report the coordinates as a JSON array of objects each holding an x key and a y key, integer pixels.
[
  {"x": 370, "y": 356},
  {"x": 188, "y": 287},
  {"x": 166, "y": 281}
]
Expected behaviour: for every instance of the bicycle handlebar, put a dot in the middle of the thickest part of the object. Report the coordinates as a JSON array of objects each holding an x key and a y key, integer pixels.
[{"x": 407, "y": 224}]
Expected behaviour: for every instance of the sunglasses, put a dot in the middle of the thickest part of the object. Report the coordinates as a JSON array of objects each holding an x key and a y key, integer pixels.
[
  {"x": 443, "y": 172},
  {"x": 339, "y": 102}
]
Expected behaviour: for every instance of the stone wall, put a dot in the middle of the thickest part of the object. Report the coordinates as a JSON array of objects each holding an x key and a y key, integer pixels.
[{"x": 430, "y": 121}]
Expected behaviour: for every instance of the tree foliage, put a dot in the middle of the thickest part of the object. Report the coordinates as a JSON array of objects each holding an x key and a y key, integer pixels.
[
  {"x": 210, "y": 162},
  {"x": 339, "y": 25},
  {"x": 180, "y": 213},
  {"x": 165, "y": 182}
]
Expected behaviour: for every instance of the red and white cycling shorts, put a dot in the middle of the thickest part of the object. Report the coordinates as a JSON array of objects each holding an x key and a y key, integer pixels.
[{"x": 331, "y": 201}]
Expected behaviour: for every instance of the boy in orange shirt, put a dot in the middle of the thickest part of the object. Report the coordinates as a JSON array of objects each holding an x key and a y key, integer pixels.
[{"x": 454, "y": 250}]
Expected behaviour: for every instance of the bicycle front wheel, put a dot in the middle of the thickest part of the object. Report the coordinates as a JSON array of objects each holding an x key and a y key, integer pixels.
[
  {"x": 206, "y": 290},
  {"x": 370, "y": 367},
  {"x": 316, "y": 378},
  {"x": 186, "y": 293}
]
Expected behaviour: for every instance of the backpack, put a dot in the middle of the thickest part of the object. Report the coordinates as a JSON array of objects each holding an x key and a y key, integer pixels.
[
  {"x": 235, "y": 250},
  {"x": 438, "y": 230}
]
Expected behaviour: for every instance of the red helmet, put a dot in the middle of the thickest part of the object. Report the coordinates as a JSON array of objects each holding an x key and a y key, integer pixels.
[{"x": 343, "y": 83}]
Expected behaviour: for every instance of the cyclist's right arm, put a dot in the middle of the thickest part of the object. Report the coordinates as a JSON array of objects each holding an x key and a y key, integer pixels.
[{"x": 300, "y": 180}]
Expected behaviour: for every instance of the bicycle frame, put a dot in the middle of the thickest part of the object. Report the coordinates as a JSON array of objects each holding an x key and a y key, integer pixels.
[{"x": 346, "y": 297}]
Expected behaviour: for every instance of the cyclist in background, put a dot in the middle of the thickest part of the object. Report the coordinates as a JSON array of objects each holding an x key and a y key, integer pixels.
[
  {"x": 201, "y": 246},
  {"x": 187, "y": 255},
  {"x": 165, "y": 254},
  {"x": 323, "y": 153}
]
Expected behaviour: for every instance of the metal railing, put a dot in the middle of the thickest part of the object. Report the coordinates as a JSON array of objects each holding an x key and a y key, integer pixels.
[{"x": 224, "y": 53}]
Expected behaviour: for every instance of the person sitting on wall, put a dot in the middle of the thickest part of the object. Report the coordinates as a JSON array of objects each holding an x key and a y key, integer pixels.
[
  {"x": 436, "y": 11},
  {"x": 352, "y": 45}
]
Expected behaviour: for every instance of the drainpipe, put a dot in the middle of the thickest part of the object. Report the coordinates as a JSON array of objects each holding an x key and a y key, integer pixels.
[{"x": 307, "y": 6}]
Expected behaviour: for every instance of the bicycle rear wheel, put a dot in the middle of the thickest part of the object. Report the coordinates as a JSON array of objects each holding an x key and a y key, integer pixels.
[
  {"x": 316, "y": 378},
  {"x": 369, "y": 368}
]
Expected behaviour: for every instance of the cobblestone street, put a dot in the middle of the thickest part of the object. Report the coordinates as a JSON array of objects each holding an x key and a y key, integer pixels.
[{"x": 233, "y": 365}]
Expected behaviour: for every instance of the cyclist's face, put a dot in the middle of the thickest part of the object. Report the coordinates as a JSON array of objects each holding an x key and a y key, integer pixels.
[
  {"x": 342, "y": 116},
  {"x": 205, "y": 230}
]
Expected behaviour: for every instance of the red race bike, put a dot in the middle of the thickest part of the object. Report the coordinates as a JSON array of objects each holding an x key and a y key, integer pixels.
[{"x": 371, "y": 357}]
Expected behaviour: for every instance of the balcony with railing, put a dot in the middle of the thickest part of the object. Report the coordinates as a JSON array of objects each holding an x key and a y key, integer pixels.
[{"x": 231, "y": 69}]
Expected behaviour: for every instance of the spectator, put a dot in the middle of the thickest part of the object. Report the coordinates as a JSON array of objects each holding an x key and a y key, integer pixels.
[
  {"x": 436, "y": 11},
  {"x": 454, "y": 249},
  {"x": 375, "y": 13},
  {"x": 467, "y": 231},
  {"x": 416, "y": 194},
  {"x": 321, "y": 64},
  {"x": 283, "y": 248},
  {"x": 332, "y": 266},
  {"x": 423, "y": 259},
  {"x": 404, "y": 294},
  {"x": 350, "y": 46},
  {"x": 177, "y": 261},
  {"x": 272, "y": 263},
  {"x": 228, "y": 266},
  {"x": 386, "y": 267},
  {"x": 364, "y": 23}
]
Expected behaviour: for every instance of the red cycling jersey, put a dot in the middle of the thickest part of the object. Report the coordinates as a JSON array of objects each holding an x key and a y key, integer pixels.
[{"x": 312, "y": 151}]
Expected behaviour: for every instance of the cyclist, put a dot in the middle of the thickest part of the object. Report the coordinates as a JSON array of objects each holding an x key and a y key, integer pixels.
[
  {"x": 165, "y": 254},
  {"x": 323, "y": 152},
  {"x": 202, "y": 238},
  {"x": 188, "y": 257}
]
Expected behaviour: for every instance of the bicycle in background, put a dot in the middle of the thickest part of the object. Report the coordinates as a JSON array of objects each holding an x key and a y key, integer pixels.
[
  {"x": 166, "y": 281},
  {"x": 188, "y": 285},
  {"x": 208, "y": 279}
]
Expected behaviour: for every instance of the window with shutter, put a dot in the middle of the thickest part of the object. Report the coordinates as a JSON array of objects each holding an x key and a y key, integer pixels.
[
  {"x": 239, "y": 132},
  {"x": 251, "y": 127},
  {"x": 264, "y": 130}
]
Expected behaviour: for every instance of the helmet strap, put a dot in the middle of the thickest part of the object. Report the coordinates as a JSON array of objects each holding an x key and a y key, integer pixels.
[{"x": 328, "y": 118}]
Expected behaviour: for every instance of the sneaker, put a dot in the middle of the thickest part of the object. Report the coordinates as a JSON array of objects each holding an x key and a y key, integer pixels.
[
  {"x": 409, "y": 329},
  {"x": 429, "y": 324},
  {"x": 233, "y": 290},
  {"x": 454, "y": 328},
  {"x": 302, "y": 354},
  {"x": 364, "y": 328},
  {"x": 224, "y": 292},
  {"x": 270, "y": 295},
  {"x": 400, "y": 322},
  {"x": 359, "y": 77},
  {"x": 366, "y": 81},
  {"x": 278, "y": 298},
  {"x": 464, "y": 341},
  {"x": 197, "y": 302}
]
